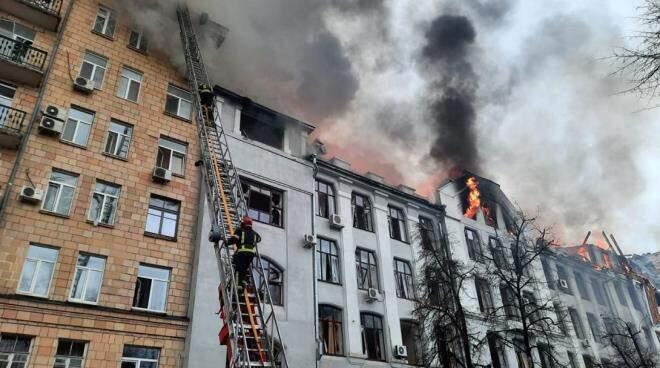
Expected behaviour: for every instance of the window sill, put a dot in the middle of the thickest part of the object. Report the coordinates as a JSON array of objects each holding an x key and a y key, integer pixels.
[
  {"x": 143, "y": 52},
  {"x": 126, "y": 99},
  {"x": 69, "y": 143},
  {"x": 107, "y": 37},
  {"x": 74, "y": 301},
  {"x": 159, "y": 236},
  {"x": 50, "y": 213},
  {"x": 114, "y": 156},
  {"x": 101, "y": 224},
  {"x": 149, "y": 311},
  {"x": 175, "y": 116},
  {"x": 400, "y": 240},
  {"x": 265, "y": 223},
  {"x": 358, "y": 228},
  {"x": 36, "y": 296},
  {"x": 330, "y": 282}
]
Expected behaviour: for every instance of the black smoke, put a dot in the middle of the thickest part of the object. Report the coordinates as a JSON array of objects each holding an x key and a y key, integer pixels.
[{"x": 446, "y": 56}]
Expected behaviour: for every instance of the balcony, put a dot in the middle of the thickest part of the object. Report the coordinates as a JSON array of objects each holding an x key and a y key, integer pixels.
[
  {"x": 42, "y": 13},
  {"x": 11, "y": 126},
  {"x": 20, "y": 62}
]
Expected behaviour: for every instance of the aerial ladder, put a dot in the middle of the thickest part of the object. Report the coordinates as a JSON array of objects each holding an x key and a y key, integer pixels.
[{"x": 248, "y": 313}]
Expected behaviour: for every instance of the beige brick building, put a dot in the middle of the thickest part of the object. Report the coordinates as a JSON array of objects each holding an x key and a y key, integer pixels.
[{"x": 97, "y": 264}]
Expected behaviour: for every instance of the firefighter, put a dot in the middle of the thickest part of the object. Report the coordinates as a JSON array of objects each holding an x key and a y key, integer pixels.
[
  {"x": 246, "y": 240},
  {"x": 206, "y": 99}
]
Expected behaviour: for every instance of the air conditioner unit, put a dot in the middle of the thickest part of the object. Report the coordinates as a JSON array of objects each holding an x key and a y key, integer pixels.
[
  {"x": 335, "y": 222},
  {"x": 563, "y": 284},
  {"x": 55, "y": 112},
  {"x": 585, "y": 343},
  {"x": 161, "y": 175},
  {"x": 50, "y": 125},
  {"x": 83, "y": 84},
  {"x": 30, "y": 194},
  {"x": 309, "y": 240},
  {"x": 372, "y": 295},
  {"x": 400, "y": 351}
]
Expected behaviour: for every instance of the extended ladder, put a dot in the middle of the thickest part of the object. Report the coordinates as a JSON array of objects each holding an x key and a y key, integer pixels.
[{"x": 253, "y": 330}]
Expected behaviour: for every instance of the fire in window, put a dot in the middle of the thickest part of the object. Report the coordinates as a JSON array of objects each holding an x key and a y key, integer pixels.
[{"x": 477, "y": 197}]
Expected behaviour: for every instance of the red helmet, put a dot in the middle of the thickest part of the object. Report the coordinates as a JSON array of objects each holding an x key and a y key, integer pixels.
[{"x": 246, "y": 221}]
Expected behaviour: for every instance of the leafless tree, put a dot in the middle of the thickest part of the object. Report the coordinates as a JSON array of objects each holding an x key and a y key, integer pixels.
[
  {"x": 526, "y": 320},
  {"x": 625, "y": 340}
]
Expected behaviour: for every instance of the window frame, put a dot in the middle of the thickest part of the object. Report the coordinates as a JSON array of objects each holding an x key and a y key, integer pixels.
[
  {"x": 141, "y": 45},
  {"x": 95, "y": 68},
  {"x": 332, "y": 322},
  {"x": 37, "y": 268},
  {"x": 594, "y": 327},
  {"x": 12, "y": 354},
  {"x": 172, "y": 151},
  {"x": 58, "y": 196},
  {"x": 78, "y": 122},
  {"x": 380, "y": 334},
  {"x": 475, "y": 257},
  {"x": 405, "y": 278},
  {"x": 484, "y": 295},
  {"x": 269, "y": 265},
  {"x": 139, "y": 361},
  {"x": 576, "y": 321},
  {"x": 496, "y": 349},
  {"x": 68, "y": 358},
  {"x": 509, "y": 303},
  {"x": 89, "y": 270},
  {"x": 109, "y": 18},
  {"x": 103, "y": 203},
  {"x": 582, "y": 286},
  {"x": 6, "y": 100},
  {"x": 260, "y": 187},
  {"x": 329, "y": 197},
  {"x": 417, "y": 352},
  {"x": 359, "y": 265},
  {"x": 327, "y": 259},
  {"x": 400, "y": 220},
  {"x": 117, "y": 140},
  {"x": 367, "y": 212},
  {"x": 128, "y": 83},
  {"x": 179, "y": 99},
  {"x": 167, "y": 282},
  {"x": 425, "y": 228},
  {"x": 163, "y": 211}
]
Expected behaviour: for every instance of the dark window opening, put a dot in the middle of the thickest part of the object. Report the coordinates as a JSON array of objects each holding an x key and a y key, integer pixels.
[
  {"x": 361, "y": 212},
  {"x": 264, "y": 203},
  {"x": 411, "y": 340},
  {"x": 372, "y": 336},
  {"x": 330, "y": 330},
  {"x": 261, "y": 130}
]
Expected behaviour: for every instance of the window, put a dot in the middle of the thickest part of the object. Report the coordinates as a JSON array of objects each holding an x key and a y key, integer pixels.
[
  {"x": 104, "y": 203},
  {"x": 509, "y": 302},
  {"x": 264, "y": 203},
  {"x": 594, "y": 326},
  {"x": 151, "y": 288},
  {"x": 582, "y": 286},
  {"x": 474, "y": 248},
  {"x": 367, "y": 269},
  {"x": 162, "y": 216},
  {"x": 572, "y": 363},
  {"x": 561, "y": 318},
  {"x": 372, "y": 336},
  {"x": 634, "y": 296},
  {"x": 484, "y": 295},
  {"x": 77, "y": 126},
  {"x": 530, "y": 307},
  {"x": 545, "y": 354},
  {"x": 88, "y": 278},
  {"x": 522, "y": 358},
  {"x": 93, "y": 68},
  {"x": 597, "y": 287},
  {"x": 397, "y": 222},
  {"x": 330, "y": 330},
  {"x": 411, "y": 340},
  {"x": 59, "y": 196},
  {"x": 325, "y": 195},
  {"x": 551, "y": 282},
  {"x": 563, "y": 275},
  {"x": 130, "y": 82},
  {"x": 137, "y": 41},
  {"x": 178, "y": 102},
  {"x": 7, "y": 93},
  {"x": 426, "y": 232},
  {"x": 16, "y": 31},
  {"x": 14, "y": 350},
  {"x": 577, "y": 323},
  {"x": 37, "y": 270},
  {"x": 620, "y": 294},
  {"x": 404, "y": 279},
  {"x": 589, "y": 361},
  {"x": 497, "y": 350},
  {"x": 272, "y": 274},
  {"x": 261, "y": 127},
  {"x": 172, "y": 155},
  {"x": 139, "y": 357},
  {"x": 498, "y": 253},
  {"x": 328, "y": 261},
  {"x": 119, "y": 138},
  {"x": 361, "y": 212},
  {"x": 70, "y": 354},
  {"x": 105, "y": 21}
]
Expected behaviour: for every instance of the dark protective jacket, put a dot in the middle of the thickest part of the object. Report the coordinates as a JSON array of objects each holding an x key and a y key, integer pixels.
[
  {"x": 205, "y": 95},
  {"x": 245, "y": 239}
]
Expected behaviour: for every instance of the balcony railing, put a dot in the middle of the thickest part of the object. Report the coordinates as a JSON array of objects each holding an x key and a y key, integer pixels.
[
  {"x": 48, "y": 6},
  {"x": 22, "y": 53},
  {"x": 11, "y": 119}
]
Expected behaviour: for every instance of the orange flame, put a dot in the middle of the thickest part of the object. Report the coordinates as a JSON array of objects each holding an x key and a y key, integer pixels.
[{"x": 474, "y": 198}]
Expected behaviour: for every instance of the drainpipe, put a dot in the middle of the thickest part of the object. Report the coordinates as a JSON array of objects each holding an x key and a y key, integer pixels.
[
  {"x": 35, "y": 112},
  {"x": 316, "y": 295}
]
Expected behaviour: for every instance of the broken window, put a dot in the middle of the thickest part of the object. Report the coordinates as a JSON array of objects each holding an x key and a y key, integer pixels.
[
  {"x": 367, "y": 269},
  {"x": 404, "y": 279},
  {"x": 151, "y": 288},
  {"x": 372, "y": 336},
  {"x": 361, "y": 212},
  {"x": 582, "y": 286},
  {"x": 426, "y": 233},
  {"x": 264, "y": 203},
  {"x": 262, "y": 129},
  {"x": 397, "y": 222},
  {"x": 330, "y": 330},
  {"x": 484, "y": 295},
  {"x": 577, "y": 323},
  {"x": 473, "y": 245},
  {"x": 328, "y": 261},
  {"x": 498, "y": 253},
  {"x": 325, "y": 195}
]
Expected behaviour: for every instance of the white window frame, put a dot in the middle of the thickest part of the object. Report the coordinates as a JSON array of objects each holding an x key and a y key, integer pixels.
[
  {"x": 178, "y": 106},
  {"x": 37, "y": 268},
  {"x": 119, "y": 135},
  {"x": 95, "y": 68},
  {"x": 78, "y": 122},
  {"x": 59, "y": 192},
  {"x": 128, "y": 83},
  {"x": 87, "y": 271},
  {"x": 167, "y": 288},
  {"x": 103, "y": 203},
  {"x": 140, "y": 41},
  {"x": 106, "y": 20},
  {"x": 139, "y": 361},
  {"x": 67, "y": 358},
  {"x": 4, "y": 100},
  {"x": 173, "y": 151},
  {"x": 12, "y": 355}
]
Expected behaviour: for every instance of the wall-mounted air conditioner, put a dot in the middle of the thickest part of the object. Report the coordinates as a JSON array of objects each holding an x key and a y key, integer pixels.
[
  {"x": 373, "y": 295},
  {"x": 83, "y": 84},
  {"x": 336, "y": 221},
  {"x": 161, "y": 175},
  {"x": 50, "y": 125},
  {"x": 400, "y": 351},
  {"x": 55, "y": 112},
  {"x": 30, "y": 194},
  {"x": 309, "y": 240}
]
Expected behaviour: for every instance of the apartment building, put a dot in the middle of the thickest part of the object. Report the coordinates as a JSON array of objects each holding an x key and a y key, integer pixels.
[
  {"x": 590, "y": 282},
  {"x": 100, "y": 193}
]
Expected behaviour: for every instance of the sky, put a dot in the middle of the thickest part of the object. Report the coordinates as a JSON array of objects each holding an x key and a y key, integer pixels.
[{"x": 525, "y": 93}]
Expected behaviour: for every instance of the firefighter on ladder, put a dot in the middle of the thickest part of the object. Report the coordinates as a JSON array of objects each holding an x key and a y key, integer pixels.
[
  {"x": 206, "y": 99},
  {"x": 245, "y": 239}
]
